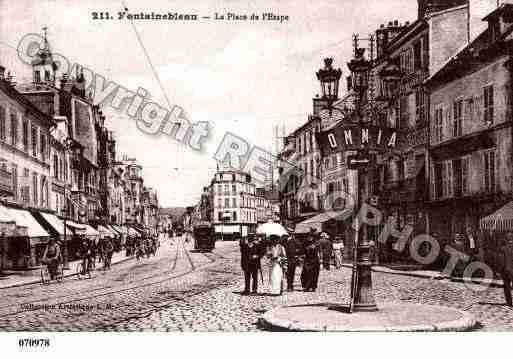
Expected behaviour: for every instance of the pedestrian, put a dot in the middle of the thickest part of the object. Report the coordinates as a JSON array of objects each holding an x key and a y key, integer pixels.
[
  {"x": 293, "y": 249},
  {"x": 338, "y": 251},
  {"x": 326, "y": 248},
  {"x": 506, "y": 266},
  {"x": 251, "y": 251},
  {"x": 311, "y": 263},
  {"x": 459, "y": 245},
  {"x": 108, "y": 251},
  {"x": 278, "y": 265}
]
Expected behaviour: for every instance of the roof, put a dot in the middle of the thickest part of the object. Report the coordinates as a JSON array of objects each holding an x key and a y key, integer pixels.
[
  {"x": 10, "y": 91},
  {"x": 499, "y": 11},
  {"x": 470, "y": 55}
]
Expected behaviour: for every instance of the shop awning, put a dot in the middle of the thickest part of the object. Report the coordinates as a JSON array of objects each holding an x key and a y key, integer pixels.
[
  {"x": 133, "y": 232},
  {"x": 54, "y": 222},
  {"x": 115, "y": 229},
  {"x": 25, "y": 219},
  {"x": 500, "y": 220},
  {"x": 90, "y": 231},
  {"x": 75, "y": 227},
  {"x": 317, "y": 221},
  {"x": 5, "y": 216},
  {"x": 105, "y": 231}
]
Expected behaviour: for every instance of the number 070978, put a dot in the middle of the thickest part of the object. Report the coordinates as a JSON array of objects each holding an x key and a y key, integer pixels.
[{"x": 33, "y": 342}]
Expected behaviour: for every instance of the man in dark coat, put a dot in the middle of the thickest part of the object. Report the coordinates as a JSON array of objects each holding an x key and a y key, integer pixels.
[
  {"x": 506, "y": 266},
  {"x": 311, "y": 263},
  {"x": 326, "y": 248},
  {"x": 293, "y": 249},
  {"x": 250, "y": 253}
]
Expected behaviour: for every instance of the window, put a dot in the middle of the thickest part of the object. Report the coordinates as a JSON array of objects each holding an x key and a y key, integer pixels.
[
  {"x": 488, "y": 104},
  {"x": 406, "y": 61},
  {"x": 420, "y": 106},
  {"x": 25, "y": 135},
  {"x": 234, "y": 216},
  {"x": 226, "y": 189},
  {"x": 47, "y": 75},
  {"x": 439, "y": 121},
  {"x": 220, "y": 202},
  {"x": 14, "y": 128},
  {"x": 219, "y": 188},
  {"x": 37, "y": 77},
  {"x": 457, "y": 118},
  {"x": 34, "y": 189},
  {"x": 42, "y": 146},
  {"x": 234, "y": 202},
  {"x": 404, "y": 113},
  {"x": 465, "y": 170},
  {"x": 33, "y": 136},
  {"x": 234, "y": 189},
  {"x": 327, "y": 163},
  {"x": 417, "y": 55},
  {"x": 15, "y": 182},
  {"x": 489, "y": 171},
  {"x": 227, "y": 202},
  {"x": 55, "y": 166},
  {"x": 2, "y": 123}
]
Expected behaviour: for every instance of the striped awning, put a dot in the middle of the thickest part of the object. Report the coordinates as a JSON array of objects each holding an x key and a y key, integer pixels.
[
  {"x": 500, "y": 220},
  {"x": 317, "y": 221}
]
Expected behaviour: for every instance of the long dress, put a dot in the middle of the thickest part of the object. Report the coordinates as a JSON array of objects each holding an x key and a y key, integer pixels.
[{"x": 277, "y": 255}]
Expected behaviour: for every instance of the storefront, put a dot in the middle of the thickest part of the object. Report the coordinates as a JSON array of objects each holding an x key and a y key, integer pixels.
[{"x": 26, "y": 247}]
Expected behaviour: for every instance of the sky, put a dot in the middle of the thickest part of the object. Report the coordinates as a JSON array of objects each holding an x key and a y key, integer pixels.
[{"x": 241, "y": 76}]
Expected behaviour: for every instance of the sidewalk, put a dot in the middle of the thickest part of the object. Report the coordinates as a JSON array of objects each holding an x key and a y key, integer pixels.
[
  {"x": 437, "y": 275},
  {"x": 20, "y": 278}
]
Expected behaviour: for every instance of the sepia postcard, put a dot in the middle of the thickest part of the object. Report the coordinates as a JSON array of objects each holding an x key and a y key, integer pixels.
[{"x": 242, "y": 166}]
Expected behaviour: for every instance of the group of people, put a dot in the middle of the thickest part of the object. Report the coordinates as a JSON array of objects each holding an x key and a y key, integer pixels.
[{"x": 285, "y": 254}]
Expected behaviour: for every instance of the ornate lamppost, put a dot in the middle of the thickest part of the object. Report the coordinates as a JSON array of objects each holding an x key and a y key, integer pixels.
[{"x": 362, "y": 298}]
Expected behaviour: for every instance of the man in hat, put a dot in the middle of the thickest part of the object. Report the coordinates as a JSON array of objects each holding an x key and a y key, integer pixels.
[
  {"x": 250, "y": 251},
  {"x": 311, "y": 263},
  {"x": 293, "y": 249},
  {"x": 326, "y": 248}
]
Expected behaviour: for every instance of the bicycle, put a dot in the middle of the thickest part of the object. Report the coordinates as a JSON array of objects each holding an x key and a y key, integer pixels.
[
  {"x": 45, "y": 274},
  {"x": 81, "y": 273}
]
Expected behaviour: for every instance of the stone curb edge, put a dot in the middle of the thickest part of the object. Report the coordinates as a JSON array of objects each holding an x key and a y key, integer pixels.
[
  {"x": 65, "y": 276},
  {"x": 494, "y": 283},
  {"x": 465, "y": 323}
]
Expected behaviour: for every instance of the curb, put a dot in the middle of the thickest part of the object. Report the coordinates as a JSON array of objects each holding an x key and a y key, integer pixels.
[
  {"x": 494, "y": 283},
  {"x": 272, "y": 322},
  {"x": 64, "y": 276}
]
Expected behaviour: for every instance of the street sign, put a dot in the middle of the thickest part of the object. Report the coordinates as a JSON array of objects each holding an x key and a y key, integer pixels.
[{"x": 358, "y": 161}]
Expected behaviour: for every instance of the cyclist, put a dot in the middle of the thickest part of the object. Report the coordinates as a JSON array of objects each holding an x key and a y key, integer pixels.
[{"x": 52, "y": 257}]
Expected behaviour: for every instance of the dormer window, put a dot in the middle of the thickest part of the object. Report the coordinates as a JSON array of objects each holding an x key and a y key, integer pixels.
[
  {"x": 37, "y": 76},
  {"x": 495, "y": 30}
]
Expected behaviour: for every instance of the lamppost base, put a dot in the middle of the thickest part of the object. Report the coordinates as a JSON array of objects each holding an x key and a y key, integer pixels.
[{"x": 365, "y": 308}]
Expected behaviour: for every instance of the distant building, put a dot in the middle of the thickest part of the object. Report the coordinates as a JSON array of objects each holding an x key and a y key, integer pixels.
[{"x": 234, "y": 204}]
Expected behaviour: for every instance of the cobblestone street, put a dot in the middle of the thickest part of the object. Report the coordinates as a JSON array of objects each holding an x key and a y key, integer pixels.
[{"x": 180, "y": 290}]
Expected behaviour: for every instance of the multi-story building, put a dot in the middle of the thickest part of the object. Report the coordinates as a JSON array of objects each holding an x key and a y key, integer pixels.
[
  {"x": 25, "y": 140},
  {"x": 134, "y": 184},
  {"x": 470, "y": 145},
  {"x": 150, "y": 206},
  {"x": 234, "y": 204}
]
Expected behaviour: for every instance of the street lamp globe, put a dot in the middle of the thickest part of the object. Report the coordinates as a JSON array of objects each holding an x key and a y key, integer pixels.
[{"x": 329, "y": 79}]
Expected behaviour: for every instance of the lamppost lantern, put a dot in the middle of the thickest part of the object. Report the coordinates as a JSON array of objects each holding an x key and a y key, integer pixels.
[
  {"x": 359, "y": 67},
  {"x": 329, "y": 79}
]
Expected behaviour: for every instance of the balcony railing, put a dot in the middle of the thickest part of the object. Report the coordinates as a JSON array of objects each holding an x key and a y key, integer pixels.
[{"x": 6, "y": 182}]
